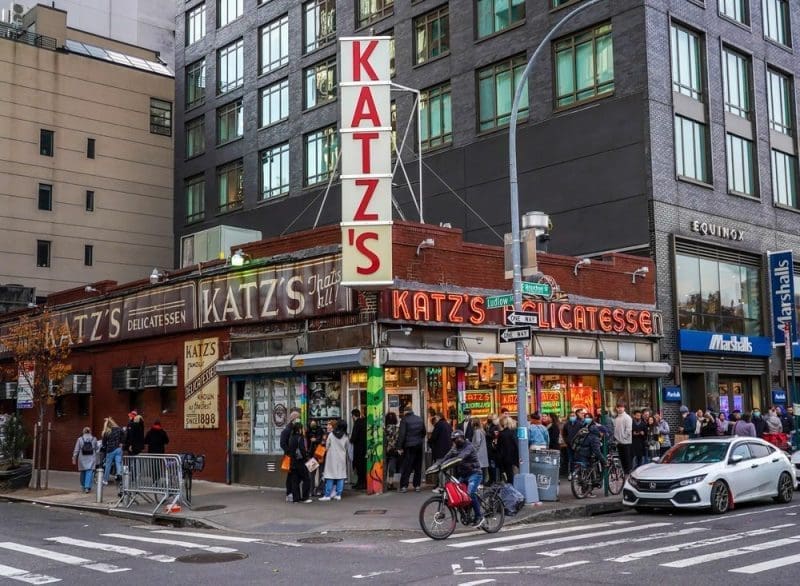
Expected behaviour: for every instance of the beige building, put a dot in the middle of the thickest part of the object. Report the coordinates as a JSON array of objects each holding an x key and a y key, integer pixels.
[{"x": 86, "y": 157}]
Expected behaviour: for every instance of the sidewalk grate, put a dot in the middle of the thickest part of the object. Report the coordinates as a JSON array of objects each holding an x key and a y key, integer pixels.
[
  {"x": 371, "y": 512},
  {"x": 211, "y": 558},
  {"x": 319, "y": 540}
]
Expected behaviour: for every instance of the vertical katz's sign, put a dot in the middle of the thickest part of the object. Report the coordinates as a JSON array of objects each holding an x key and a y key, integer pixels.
[
  {"x": 366, "y": 135},
  {"x": 201, "y": 386},
  {"x": 781, "y": 281}
]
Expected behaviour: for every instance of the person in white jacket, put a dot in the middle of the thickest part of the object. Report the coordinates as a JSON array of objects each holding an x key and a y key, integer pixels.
[
  {"x": 623, "y": 428},
  {"x": 337, "y": 447},
  {"x": 83, "y": 454}
]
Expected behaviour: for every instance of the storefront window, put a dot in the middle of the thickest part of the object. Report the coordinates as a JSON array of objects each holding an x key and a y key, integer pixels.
[
  {"x": 442, "y": 391},
  {"x": 324, "y": 397},
  {"x": 357, "y": 389},
  {"x": 262, "y": 410},
  {"x": 615, "y": 392},
  {"x": 584, "y": 393},
  {"x": 553, "y": 395},
  {"x": 641, "y": 394}
]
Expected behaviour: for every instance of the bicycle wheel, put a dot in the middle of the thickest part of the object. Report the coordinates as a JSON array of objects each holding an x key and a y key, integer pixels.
[
  {"x": 494, "y": 514},
  {"x": 616, "y": 479},
  {"x": 437, "y": 520},
  {"x": 581, "y": 483}
]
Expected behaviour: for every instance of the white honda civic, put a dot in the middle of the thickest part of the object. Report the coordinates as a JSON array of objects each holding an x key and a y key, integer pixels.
[{"x": 712, "y": 473}]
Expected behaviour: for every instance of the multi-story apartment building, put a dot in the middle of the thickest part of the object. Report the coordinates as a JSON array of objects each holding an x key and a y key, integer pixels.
[
  {"x": 86, "y": 157},
  {"x": 667, "y": 128}
]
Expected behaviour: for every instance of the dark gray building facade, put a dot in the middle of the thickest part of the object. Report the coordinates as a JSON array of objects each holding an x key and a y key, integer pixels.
[{"x": 666, "y": 128}]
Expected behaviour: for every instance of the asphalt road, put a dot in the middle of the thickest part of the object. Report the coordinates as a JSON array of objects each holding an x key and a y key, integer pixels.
[{"x": 760, "y": 542}]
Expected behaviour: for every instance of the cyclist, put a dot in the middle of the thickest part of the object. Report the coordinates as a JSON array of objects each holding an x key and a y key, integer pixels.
[
  {"x": 587, "y": 446},
  {"x": 468, "y": 471}
]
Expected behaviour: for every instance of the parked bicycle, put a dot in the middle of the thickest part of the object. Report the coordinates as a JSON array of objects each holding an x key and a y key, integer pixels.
[
  {"x": 439, "y": 514},
  {"x": 585, "y": 478}
]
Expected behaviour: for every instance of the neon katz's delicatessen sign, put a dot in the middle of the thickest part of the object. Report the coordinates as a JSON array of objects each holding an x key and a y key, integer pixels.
[{"x": 465, "y": 310}]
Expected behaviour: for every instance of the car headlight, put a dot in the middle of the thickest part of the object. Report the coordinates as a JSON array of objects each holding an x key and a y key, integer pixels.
[
  {"x": 633, "y": 481},
  {"x": 688, "y": 481}
]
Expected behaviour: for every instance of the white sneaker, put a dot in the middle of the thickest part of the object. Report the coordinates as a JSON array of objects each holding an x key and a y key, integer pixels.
[
  {"x": 336, "y": 498},
  {"x": 307, "y": 501},
  {"x": 324, "y": 499},
  {"x": 289, "y": 498},
  {"x": 105, "y": 483}
]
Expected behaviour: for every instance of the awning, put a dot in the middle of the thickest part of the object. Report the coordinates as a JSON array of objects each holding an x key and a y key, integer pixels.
[
  {"x": 571, "y": 365},
  {"x": 261, "y": 364},
  {"x": 348, "y": 358},
  {"x": 423, "y": 357}
]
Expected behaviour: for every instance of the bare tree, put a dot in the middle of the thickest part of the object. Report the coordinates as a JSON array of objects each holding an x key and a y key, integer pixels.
[{"x": 39, "y": 346}]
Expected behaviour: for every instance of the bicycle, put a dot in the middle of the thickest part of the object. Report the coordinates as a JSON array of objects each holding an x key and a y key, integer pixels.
[
  {"x": 586, "y": 478},
  {"x": 439, "y": 514}
]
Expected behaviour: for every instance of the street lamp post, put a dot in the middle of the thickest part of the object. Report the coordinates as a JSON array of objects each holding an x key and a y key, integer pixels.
[{"x": 524, "y": 481}]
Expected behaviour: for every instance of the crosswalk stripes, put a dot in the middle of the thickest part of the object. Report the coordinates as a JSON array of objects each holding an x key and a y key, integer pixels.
[
  {"x": 63, "y": 558},
  {"x": 718, "y": 555},
  {"x": 120, "y": 549},
  {"x": 186, "y": 544},
  {"x": 574, "y": 528},
  {"x": 582, "y": 536},
  {"x": 767, "y": 565},
  {"x": 602, "y": 544},
  {"x": 25, "y": 576}
]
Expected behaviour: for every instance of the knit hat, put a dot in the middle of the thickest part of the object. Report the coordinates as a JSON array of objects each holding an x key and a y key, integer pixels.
[{"x": 684, "y": 409}]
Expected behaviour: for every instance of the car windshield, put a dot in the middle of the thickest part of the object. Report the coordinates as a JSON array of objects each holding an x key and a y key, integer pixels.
[{"x": 696, "y": 453}]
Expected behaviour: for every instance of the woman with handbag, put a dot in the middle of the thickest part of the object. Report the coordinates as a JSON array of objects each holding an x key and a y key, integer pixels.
[
  {"x": 337, "y": 448},
  {"x": 298, "y": 472}
]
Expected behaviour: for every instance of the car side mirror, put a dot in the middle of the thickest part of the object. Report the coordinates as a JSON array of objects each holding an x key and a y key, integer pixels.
[{"x": 735, "y": 459}]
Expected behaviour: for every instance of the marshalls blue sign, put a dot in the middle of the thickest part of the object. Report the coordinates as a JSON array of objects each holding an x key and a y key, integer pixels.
[{"x": 781, "y": 279}]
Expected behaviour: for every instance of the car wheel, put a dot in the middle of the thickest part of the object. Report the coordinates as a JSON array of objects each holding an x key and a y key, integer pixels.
[
  {"x": 720, "y": 498},
  {"x": 785, "y": 489}
]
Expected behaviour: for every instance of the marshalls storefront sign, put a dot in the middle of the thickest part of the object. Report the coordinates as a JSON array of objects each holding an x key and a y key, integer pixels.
[{"x": 366, "y": 133}]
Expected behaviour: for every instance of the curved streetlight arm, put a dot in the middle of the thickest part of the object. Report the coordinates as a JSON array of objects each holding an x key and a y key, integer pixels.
[{"x": 524, "y": 479}]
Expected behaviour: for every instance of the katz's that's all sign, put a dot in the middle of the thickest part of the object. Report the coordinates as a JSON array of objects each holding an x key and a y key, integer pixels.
[{"x": 366, "y": 141}]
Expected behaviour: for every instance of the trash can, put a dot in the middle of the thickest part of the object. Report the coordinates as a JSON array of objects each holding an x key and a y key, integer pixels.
[{"x": 545, "y": 466}]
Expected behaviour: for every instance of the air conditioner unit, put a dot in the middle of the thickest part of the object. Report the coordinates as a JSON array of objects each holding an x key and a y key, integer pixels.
[
  {"x": 167, "y": 375},
  {"x": 17, "y": 10},
  {"x": 8, "y": 391},
  {"x": 132, "y": 379},
  {"x": 148, "y": 377}
]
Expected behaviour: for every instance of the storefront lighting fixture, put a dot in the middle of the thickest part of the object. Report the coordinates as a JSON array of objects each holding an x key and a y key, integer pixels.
[
  {"x": 385, "y": 334},
  {"x": 581, "y": 263},
  {"x": 90, "y": 289},
  {"x": 239, "y": 257},
  {"x": 158, "y": 276},
  {"x": 448, "y": 341},
  {"x": 640, "y": 272}
]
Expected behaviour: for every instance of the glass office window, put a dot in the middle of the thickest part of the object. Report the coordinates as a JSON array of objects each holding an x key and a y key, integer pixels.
[
  {"x": 736, "y": 83},
  {"x": 320, "y": 83},
  {"x": 230, "y": 122},
  {"x": 496, "y": 86},
  {"x": 228, "y": 11},
  {"x": 274, "y": 45},
  {"x": 196, "y": 83},
  {"x": 687, "y": 62},
  {"x": 319, "y": 24},
  {"x": 737, "y": 10},
  {"x": 432, "y": 35},
  {"x": 320, "y": 154},
  {"x": 230, "y": 186},
  {"x": 372, "y": 10},
  {"x": 780, "y": 102},
  {"x": 230, "y": 67},
  {"x": 784, "y": 178},
  {"x": 691, "y": 159},
  {"x": 195, "y": 137},
  {"x": 584, "y": 66},
  {"x": 776, "y": 21},
  {"x": 195, "y": 190},
  {"x": 195, "y": 24},
  {"x": 274, "y": 103},
  {"x": 493, "y": 16},
  {"x": 275, "y": 171},
  {"x": 436, "y": 111},
  {"x": 741, "y": 171}
]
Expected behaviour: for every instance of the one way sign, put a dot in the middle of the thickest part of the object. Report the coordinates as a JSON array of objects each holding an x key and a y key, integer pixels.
[
  {"x": 514, "y": 318},
  {"x": 514, "y": 334}
]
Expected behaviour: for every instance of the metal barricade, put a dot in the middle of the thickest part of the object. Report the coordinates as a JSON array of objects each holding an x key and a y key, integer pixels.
[{"x": 154, "y": 478}]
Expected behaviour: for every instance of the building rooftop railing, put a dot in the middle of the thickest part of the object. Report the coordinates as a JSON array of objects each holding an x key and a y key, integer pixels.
[{"x": 20, "y": 35}]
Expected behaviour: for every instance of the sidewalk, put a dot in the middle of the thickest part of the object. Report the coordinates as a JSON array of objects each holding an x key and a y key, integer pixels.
[{"x": 263, "y": 511}]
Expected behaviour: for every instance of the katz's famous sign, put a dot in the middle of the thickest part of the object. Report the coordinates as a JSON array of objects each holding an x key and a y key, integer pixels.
[
  {"x": 366, "y": 139},
  {"x": 463, "y": 309}
]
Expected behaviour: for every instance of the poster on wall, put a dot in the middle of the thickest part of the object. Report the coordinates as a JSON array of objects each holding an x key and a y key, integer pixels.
[
  {"x": 324, "y": 397},
  {"x": 479, "y": 402},
  {"x": 375, "y": 392},
  {"x": 201, "y": 384},
  {"x": 24, "y": 389}
]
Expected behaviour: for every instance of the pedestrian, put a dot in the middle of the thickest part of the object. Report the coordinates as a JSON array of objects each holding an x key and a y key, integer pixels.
[
  {"x": 83, "y": 454},
  {"x": 587, "y": 448},
  {"x": 439, "y": 443},
  {"x": 623, "y": 427},
  {"x": 358, "y": 438},
  {"x": 773, "y": 421},
  {"x": 468, "y": 471},
  {"x": 759, "y": 423},
  {"x": 113, "y": 439},
  {"x": 744, "y": 427},
  {"x": 653, "y": 439},
  {"x": 722, "y": 424},
  {"x": 554, "y": 430},
  {"x": 156, "y": 439},
  {"x": 337, "y": 448},
  {"x": 638, "y": 439},
  {"x": 479, "y": 441},
  {"x": 465, "y": 425},
  {"x": 298, "y": 451},
  {"x": 689, "y": 422},
  {"x": 538, "y": 437},
  {"x": 134, "y": 436},
  {"x": 286, "y": 433},
  {"x": 314, "y": 436},
  {"x": 787, "y": 420},
  {"x": 507, "y": 448},
  {"x": 492, "y": 427},
  {"x": 390, "y": 433},
  {"x": 410, "y": 439},
  {"x": 573, "y": 424},
  {"x": 663, "y": 431},
  {"x": 709, "y": 425}
]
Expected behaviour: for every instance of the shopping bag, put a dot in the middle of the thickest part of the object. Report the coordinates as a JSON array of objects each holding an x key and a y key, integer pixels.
[
  {"x": 319, "y": 452},
  {"x": 286, "y": 463},
  {"x": 312, "y": 464},
  {"x": 513, "y": 500}
]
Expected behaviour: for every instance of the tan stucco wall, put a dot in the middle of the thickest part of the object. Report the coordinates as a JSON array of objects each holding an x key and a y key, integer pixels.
[{"x": 80, "y": 98}]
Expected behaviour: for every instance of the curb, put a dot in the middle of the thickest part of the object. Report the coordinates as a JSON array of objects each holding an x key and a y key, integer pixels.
[{"x": 570, "y": 512}]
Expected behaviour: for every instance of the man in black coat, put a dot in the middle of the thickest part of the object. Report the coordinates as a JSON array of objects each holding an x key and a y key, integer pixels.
[
  {"x": 286, "y": 432},
  {"x": 409, "y": 441},
  {"x": 358, "y": 438},
  {"x": 440, "y": 437},
  {"x": 134, "y": 436},
  {"x": 465, "y": 424}
]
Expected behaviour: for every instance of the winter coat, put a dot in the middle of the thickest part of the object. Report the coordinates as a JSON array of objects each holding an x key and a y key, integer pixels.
[
  {"x": 590, "y": 446},
  {"x": 336, "y": 456},
  {"x": 492, "y": 434},
  {"x": 709, "y": 427},
  {"x": 156, "y": 439},
  {"x": 440, "y": 439},
  {"x": 479, "y": 441},
  {"x": 743, "y": 428},
  {"x": 623, "y": 427},
  {"x": 358, "y": 438},
  {"x": 412, "y": 431},
  {"x": 134, "y": 438},
  {"x": 555, "y": 435},
  {"x": 663, "y": 428},
  {"x": 85, "y": 461},
  {"x": 638, "y": 437},
  {"x": 507, "y": 448},
  {"x": 469, "y": 464},
  {"x": 570, "y": 429},
  {"x": 113, "y": 439},
  {"x": 787, "y": 423},
  {"x": 761, "y": 426},
  {"x": 690, "y": 424},
  {"x": 298, "y": 451},
  {"x": 466, "y": 427},
  {"x": 773, "y": 424},
  {"x": 538, "y": 436}
]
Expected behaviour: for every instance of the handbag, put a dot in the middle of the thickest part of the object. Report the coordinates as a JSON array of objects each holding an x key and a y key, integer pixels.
[
  {"x": 286, "y": 463},
  {"x": 312, "y": 464},
  {"x": 319, "y": 452}
]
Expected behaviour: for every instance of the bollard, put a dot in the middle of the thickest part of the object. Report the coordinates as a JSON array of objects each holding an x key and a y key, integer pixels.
[{"x": 98, "y": 496}]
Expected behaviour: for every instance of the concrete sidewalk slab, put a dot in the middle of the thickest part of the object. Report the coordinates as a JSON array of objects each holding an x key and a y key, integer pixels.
[{"x": 264, "y": 511}]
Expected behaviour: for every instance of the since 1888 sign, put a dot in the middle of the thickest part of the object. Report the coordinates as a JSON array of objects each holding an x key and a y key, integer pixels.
[{"x": 366, "y": 135}]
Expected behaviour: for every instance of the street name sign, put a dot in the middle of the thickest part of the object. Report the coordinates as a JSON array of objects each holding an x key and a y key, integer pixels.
[
  {"x": 514, "y": 334},
  {"x": 497, "y": 301},
  {"x": 539, "y": 289}
]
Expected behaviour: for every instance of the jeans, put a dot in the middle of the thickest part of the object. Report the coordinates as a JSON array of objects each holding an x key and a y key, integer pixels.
[
  {"x": 329, "y": 483},
  {"x": 86, "y": 478},
  {"x": 472, "y": 488},
  {"x": 114, "y": 455}
]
